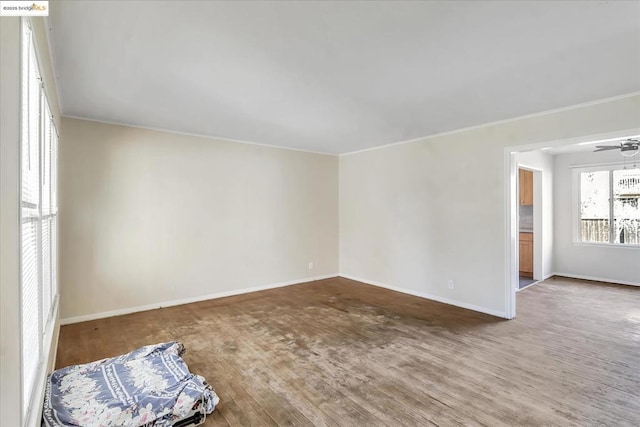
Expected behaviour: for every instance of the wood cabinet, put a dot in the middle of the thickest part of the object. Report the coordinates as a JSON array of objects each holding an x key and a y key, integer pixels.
[
  {"x": 526, "y": 186},
  {"x": 526, "y": 255}
]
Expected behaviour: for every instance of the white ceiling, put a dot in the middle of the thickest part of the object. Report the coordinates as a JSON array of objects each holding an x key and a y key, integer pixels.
[{"x": 337, "y": 76}]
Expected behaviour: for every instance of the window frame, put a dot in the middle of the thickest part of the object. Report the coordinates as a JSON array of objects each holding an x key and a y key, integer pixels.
[
  {"x": 576, "y": 217},
  {"x": 30, "y": 212}
]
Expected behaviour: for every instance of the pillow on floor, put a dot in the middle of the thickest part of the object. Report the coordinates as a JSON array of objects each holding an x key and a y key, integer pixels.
[{"x": 150, "y": 386}]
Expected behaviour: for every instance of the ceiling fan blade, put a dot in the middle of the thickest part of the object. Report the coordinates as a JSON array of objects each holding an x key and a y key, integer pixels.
[{"x": 606, "y": 147}]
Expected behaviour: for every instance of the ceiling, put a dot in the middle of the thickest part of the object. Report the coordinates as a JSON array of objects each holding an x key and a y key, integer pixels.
[{"x": 336, "y": 77}]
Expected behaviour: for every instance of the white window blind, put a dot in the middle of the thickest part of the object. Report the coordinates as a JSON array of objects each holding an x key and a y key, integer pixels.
[
  {"x": 39, "y": 216},
  {"x": 30, "y": 309}
]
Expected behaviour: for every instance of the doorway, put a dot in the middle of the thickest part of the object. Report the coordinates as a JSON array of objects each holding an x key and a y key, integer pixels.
[
  {"x": 530, "y": 200},
  {"x": 512, "y": 163}
]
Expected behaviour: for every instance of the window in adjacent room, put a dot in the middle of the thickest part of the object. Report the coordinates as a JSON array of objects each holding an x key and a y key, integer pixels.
[{"x": 609, "y": 210}]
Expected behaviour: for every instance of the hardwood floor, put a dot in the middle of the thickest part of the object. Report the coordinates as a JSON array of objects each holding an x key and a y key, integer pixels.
[{"x": 339, "y": 352}]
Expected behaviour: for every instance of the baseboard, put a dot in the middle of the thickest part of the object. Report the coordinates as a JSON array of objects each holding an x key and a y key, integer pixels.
[
  {"x": 596, "y": 279},
  {"x": 437, "y": 298},
  {"x": 54, "y": 346},
  {"x": 129, "y": 310}
]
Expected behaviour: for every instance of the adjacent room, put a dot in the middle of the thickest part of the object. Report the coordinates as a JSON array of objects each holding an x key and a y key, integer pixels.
[{"x": 323, "y": 213}]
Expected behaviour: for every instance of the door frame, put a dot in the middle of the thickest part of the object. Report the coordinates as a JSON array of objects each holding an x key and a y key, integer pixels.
[{"x": 511, "y": 272}]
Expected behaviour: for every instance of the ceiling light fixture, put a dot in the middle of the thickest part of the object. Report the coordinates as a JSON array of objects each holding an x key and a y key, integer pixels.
[
  {"x": 609, "y": 140},
  {"x": 628, "y": 147}
]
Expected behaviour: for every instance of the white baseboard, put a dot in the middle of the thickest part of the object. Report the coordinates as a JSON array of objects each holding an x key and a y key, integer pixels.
[
  {"x": 437, "y": 298},
  {"x": 129, "y": 310},
  {"x": 596, "y": 279},
  {"x": 54, "y": 347},
  {"x": 548, "y": 276}
]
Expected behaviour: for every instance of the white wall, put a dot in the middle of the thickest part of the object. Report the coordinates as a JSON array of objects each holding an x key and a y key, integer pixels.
[
  {"x": 10, "y": 378},
  {"x": 415, "y": 215},
  {"x": 609, "y": 263},
  {"x": 543, "y": 210},
  {"x": 150, "y": 217}
]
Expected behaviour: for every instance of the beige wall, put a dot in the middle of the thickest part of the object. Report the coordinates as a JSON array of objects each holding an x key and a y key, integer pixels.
[
  {"x": 415, "y": 215},
  {"x": 149, "y": 217}
]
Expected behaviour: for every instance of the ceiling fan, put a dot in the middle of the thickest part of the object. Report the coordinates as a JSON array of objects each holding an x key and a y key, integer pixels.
[{"x": 628, "y": 147}]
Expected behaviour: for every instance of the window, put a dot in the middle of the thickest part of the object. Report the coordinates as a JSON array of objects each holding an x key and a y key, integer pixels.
[
  {"x": 38, "y": 210},
  {"x": 609, "y": 206}
]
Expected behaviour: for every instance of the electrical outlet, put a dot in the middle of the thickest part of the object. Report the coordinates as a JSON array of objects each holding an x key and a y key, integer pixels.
[
  {"x": 310, "y": 265},
  {"x": 451, "y": 284}
]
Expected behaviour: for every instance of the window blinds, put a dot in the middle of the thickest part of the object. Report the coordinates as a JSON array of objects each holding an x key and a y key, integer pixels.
[
  {"x": 39, "y": 216},
  {"x": 30, "y": 308}
]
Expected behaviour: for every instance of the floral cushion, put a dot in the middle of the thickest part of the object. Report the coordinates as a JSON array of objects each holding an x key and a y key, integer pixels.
[{"x": 150, "y": 386}]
